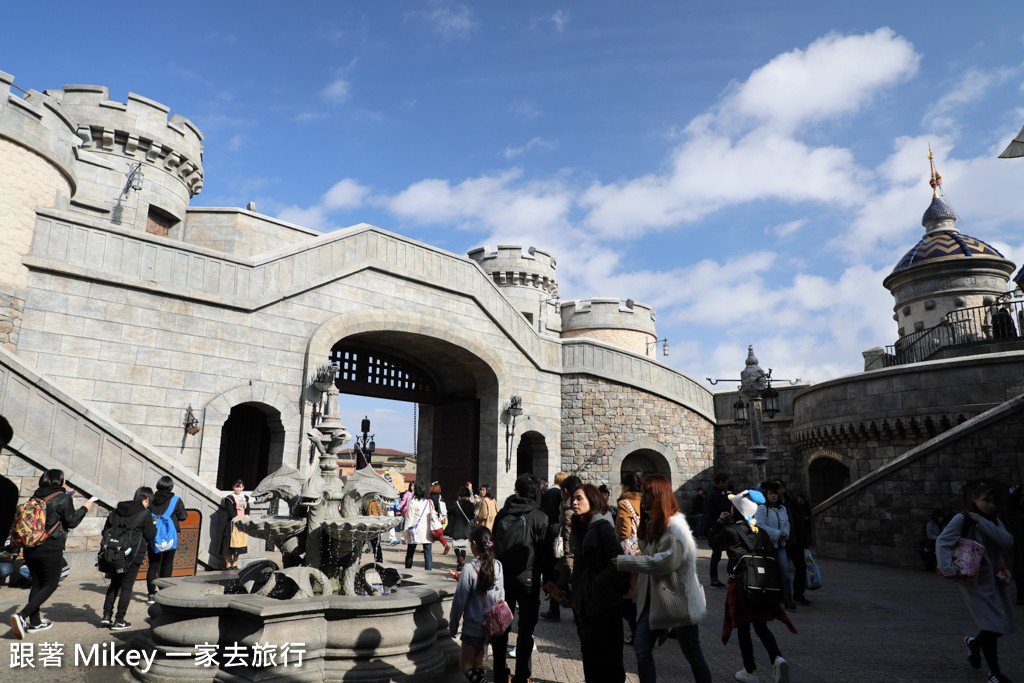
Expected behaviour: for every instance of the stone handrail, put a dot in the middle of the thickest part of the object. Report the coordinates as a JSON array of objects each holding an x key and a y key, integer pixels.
[
  {"x": 590, "y": 357},
  {"x": 53, "y": 430},
  {"x": 70, "y": 243}
]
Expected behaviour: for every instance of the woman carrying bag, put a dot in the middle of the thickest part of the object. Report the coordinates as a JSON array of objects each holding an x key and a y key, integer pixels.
[
  {"x": 668, "y": 594},
  {"x": 988, "y": 596},
  {"x": 234, "y": 541},
  {"x": 417, "y": 527}
]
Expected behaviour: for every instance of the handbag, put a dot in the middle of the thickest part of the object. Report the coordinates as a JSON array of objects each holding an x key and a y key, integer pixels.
[
  {"x": 435, "y": 526},
  {"x": 966, "y": 554},
  {"x": 630, "y": 544},
  {"x": 814, "y": 581}
]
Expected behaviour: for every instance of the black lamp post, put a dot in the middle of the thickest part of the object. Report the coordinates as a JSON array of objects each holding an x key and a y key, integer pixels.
[
  {"x": 364, "y": 445},
  {"x": 514, "y": 408}
]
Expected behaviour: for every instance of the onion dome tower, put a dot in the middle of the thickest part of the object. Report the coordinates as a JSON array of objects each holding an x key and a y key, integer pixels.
[{"x": 945, "y": 271}]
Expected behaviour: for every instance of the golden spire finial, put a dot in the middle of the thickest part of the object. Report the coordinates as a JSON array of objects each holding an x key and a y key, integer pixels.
[{"x": 935, "y": 179}]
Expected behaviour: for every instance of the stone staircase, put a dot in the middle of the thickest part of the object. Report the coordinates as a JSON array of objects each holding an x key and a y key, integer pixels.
[{"x": 53, "y": 429}]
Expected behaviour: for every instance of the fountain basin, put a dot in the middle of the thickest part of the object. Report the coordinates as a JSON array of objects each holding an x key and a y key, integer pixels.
[
  {"x": 397, "y": 637},
  {"x": 274, "y": 528}
]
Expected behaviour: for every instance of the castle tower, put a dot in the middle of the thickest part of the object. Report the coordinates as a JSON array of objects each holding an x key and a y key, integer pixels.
[
  {"x": 627, "y": 324},
  {"x": 37, "y": 170},
  {"x": 947, "y": 270},
  {"x": 136, "y": 167},
  {"x": 526, "y": 279}
]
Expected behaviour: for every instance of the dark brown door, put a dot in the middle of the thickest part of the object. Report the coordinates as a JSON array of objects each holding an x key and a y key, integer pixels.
[{"x": 456, "y": 451}]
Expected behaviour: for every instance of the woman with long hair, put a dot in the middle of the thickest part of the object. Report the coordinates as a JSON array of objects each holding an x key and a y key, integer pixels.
[
  {"x": 668, "y": 594},
  {"x": 441, "y": 509},
  {"x": 460, "y": 524},
  {"x": 417, "y": 527},
  {"x": 481, "y": 586},
  {"x": 988, "y": 598},
  {"x": 774, "y": 519},
  {"x": 486, "y": 507},
  {"x": 627, "y": 525},
  {"x": 46, "y": 560},
  {"x": 597, "y": 587},
  {"x": 235, "y": 508}
]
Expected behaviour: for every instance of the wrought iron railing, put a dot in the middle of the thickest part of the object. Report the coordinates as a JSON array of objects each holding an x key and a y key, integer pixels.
[{"x": 979, "y": 324}]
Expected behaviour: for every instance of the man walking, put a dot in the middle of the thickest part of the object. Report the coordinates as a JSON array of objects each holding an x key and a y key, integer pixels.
[
  {"x": 521, "y": 541},
  {"x": 718, "y": 502}
]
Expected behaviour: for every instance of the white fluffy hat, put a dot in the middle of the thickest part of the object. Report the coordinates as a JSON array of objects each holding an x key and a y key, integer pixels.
[{"x": 746, "y": 502}]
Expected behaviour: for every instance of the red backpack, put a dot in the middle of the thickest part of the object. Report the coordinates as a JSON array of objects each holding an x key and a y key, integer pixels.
[{"x": 29, "y": 528}]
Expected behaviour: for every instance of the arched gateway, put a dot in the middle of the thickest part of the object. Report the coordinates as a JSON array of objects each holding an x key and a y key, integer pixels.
[{"x": 453, "y": 379}]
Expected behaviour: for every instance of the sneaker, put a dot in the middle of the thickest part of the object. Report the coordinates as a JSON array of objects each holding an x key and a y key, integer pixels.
[
  {"x": 973, "y": 652},
  {"x": 744, "y": 675},
  {"x": 18, "y": 626},
  {"x": 106, "y": 620},
  {"x": 41, "y": 626},
  {"x": 511, "y": 653},
  {"x": 121, "y": 625},
  {"x": 446, "y": 549},
  {"x": 151, "y": 600},
  {"x": 781, "y": 670},
  {"x": 998, "y": 678}
]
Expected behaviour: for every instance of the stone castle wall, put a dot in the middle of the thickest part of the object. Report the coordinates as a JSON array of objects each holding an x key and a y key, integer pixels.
[
  {"x": 603, "y": 421},
  {"x": 881, "y": 517}
]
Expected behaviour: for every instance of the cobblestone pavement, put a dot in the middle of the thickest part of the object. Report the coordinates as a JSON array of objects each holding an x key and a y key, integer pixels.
[{"x": 868, "y": 623}]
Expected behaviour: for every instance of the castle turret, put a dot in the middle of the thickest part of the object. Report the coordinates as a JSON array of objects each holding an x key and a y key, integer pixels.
[
  {"x": 627, "y": 324},
  {"x": 526, "y": 279},
  {"x": 947, "y": 270},
  {"x": 37, "y": 169},
  {"x": 137, "y": 167}
]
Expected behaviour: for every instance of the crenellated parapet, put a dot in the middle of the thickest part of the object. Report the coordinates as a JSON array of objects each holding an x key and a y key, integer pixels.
[
  {"x": 137, "y": 130},
  {"x": 627, "y": 324},
  {"x": 607, "y": 313},
  {"x": 40, "y": 124},
  {"x": 510, "y": 266}
]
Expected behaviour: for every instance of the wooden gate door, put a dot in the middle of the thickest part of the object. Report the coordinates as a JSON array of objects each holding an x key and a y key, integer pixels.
[{"x": 456, "y": 451}]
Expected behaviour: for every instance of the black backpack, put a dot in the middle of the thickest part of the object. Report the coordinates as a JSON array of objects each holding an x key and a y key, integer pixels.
[
  {"x": 512, "y": 545},
  {"x": 121, "y": 543},
  {"x": 758, "y": 573}
]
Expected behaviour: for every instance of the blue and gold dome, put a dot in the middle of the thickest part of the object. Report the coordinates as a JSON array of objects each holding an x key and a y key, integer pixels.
[{"x": 946, "y": 245}]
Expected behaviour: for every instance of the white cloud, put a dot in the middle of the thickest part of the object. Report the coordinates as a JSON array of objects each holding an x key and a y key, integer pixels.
[
  {"x": 236, "y": 143},
  {"x": 787, "y": 229},
  {"x": 968, "y": 91},
  {"x": 450, "y": 20},
  {"x": 345, "y": 194},
  {"x": 534, "y": 143},
  {"x": 560, "y": 18},
  {"x": 835, "y": 75},
  {"x": 337, "y": 91},
  {"x": 524, "y": 109}
]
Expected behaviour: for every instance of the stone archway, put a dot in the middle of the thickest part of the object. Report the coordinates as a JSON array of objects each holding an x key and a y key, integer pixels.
[
  {"x": 532, "y": 455},
  {"x": 457, "y": 390},
  {"x": 279, "y": 412},
  {"x": 827, "y": 475},
  {"x": 646, "y": 454}
]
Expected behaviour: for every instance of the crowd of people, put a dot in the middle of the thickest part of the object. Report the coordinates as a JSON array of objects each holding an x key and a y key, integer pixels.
[{"x": 625, "y": 572}]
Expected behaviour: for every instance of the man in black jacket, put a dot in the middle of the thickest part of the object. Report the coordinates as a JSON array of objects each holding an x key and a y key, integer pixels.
[
  {"x": 135, "y": 516},
  {"x": 46, "y": 559},
  {"x": 521, "y": 539},
  {"x": 718, "y": 502}
]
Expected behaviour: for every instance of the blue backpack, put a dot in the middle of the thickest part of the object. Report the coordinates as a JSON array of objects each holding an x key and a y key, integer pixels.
[{"x": 166, "y": 535}]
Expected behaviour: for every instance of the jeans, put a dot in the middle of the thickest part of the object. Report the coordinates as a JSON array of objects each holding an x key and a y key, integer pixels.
[
  {"x": 45, "y": 575},
  {"x": 525, "y": 601},
  {"x": 689, "y": 643},
  {"x": 120, "y": 589},
  {"x": 716, "y": 557},
  {"x": 782, "y": 560},
  {"x": 428, "y": 559},
  {"x": 160, "y": 565}
]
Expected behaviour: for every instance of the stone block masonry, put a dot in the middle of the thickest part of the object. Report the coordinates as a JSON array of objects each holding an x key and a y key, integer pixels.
[{"x": 603, "y": 422}]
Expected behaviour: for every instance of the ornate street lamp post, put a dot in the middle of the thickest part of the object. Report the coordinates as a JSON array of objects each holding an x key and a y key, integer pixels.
[{"x": 364, "y": 446}]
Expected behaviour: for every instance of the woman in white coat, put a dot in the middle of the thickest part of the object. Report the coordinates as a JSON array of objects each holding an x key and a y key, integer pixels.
[
  {"x": 668, "y": 594},
  {"x": 417, "y": 527}
]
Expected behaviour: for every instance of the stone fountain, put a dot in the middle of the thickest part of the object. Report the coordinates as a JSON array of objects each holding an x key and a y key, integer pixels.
[{"x": 354, "y": 622}]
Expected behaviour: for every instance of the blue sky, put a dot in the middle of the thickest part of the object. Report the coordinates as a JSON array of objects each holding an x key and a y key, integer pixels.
[{"x": 753, "y": 170}]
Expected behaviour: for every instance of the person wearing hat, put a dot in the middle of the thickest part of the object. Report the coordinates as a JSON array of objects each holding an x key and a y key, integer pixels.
[{"x": 727, "y": 535}]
